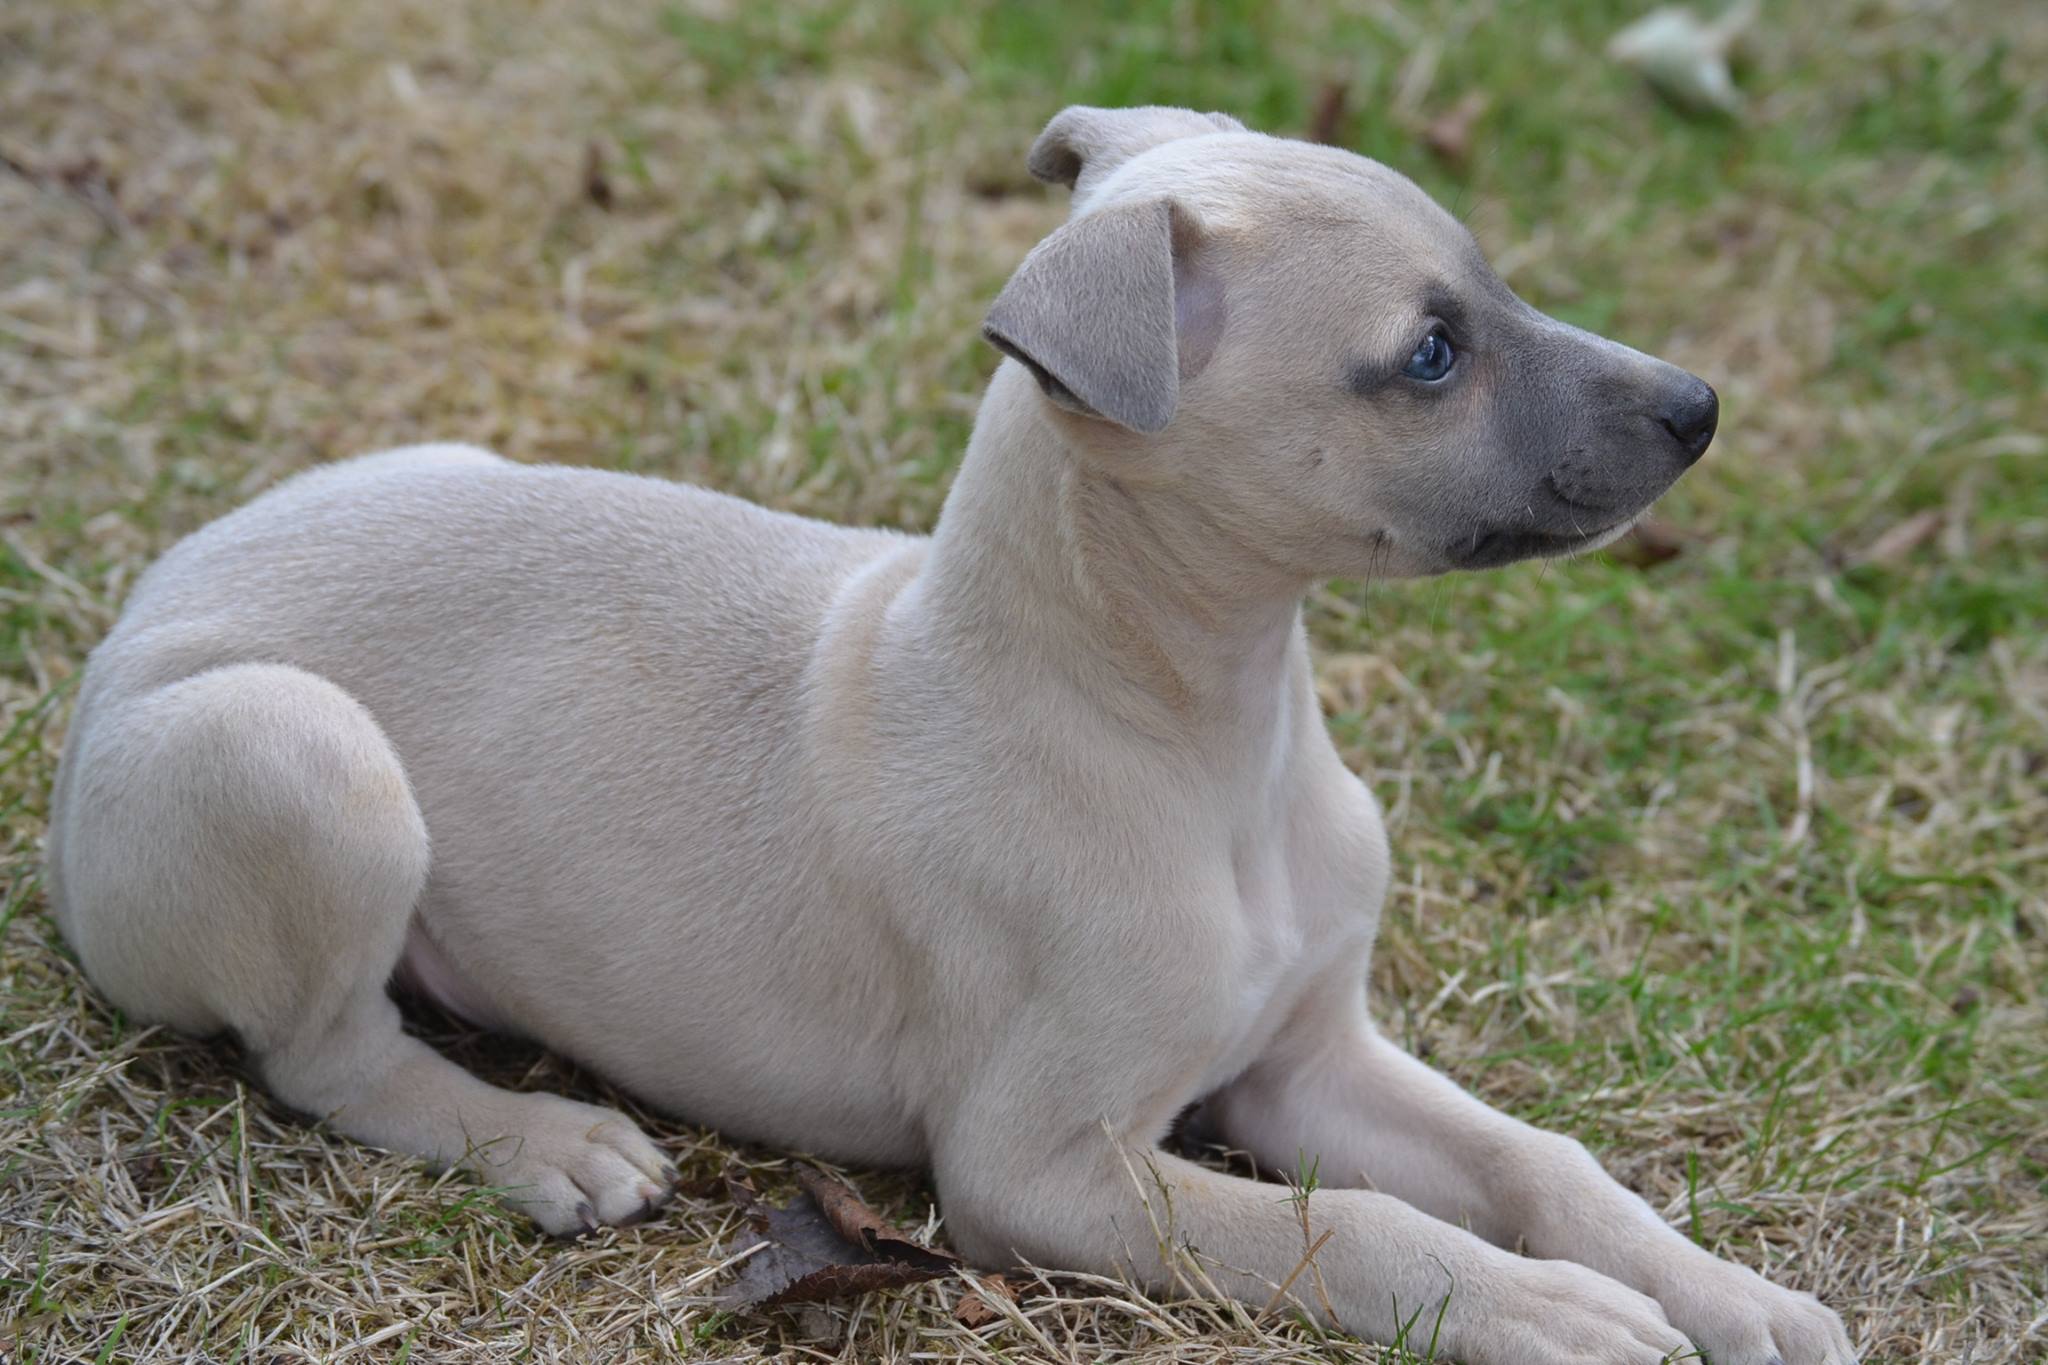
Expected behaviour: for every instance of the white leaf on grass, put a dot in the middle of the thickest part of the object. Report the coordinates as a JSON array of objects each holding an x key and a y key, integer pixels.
[{"x": 1685, "y": 58}]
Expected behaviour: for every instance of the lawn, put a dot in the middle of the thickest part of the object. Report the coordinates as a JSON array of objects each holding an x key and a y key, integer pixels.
[{"x": 1732, "y": 865}]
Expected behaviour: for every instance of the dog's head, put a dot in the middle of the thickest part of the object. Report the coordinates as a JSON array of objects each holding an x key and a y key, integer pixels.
[{"x": 1304, "y": 344}]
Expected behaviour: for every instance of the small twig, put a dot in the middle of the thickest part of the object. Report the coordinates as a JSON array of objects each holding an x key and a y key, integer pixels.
[{"x": 1307, "y": 1258}]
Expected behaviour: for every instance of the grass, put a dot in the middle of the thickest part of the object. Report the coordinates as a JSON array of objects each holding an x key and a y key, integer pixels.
[{"x": 1732, "y": 867}]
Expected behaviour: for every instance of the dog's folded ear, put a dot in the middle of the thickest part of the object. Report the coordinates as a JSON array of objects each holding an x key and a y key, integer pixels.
[
  {"x": 1081, "y": 146},
  {"x": 1091, "y": 313}
]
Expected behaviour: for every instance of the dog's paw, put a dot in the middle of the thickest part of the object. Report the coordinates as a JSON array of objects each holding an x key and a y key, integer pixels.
[
  {"x": 573, "y": 1168},
  {"x": 1561, "y": 1313},
  {"x": 1740, "y": 1318}
]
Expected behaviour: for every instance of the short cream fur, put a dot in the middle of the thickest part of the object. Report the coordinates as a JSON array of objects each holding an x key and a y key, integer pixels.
[{"x": 990, "y": 851}]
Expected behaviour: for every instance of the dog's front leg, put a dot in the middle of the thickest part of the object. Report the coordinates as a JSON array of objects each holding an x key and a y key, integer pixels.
[
  {"x": 1072, "y": 1196},
  {"x": 1332, "y": 1092}
]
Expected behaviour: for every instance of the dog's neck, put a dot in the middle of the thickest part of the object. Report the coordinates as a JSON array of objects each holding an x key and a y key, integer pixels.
[{"x": 1158, "y": 615}]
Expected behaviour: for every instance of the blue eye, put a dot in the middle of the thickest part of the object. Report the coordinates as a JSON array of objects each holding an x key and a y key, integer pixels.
[{"x": 1432, "y": 359}]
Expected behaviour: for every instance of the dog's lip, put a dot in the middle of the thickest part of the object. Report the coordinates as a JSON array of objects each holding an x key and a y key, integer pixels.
[
  {"x": 1506, "y": 544},
  {"x": 1556, "y": 490}
]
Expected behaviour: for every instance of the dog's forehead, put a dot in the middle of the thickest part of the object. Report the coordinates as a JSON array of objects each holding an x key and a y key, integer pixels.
[
  {"x": 1249, "y": 182},
  {"x": 1330, "y": 240}
]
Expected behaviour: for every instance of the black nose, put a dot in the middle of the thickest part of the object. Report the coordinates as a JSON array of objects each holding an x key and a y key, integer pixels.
[{"x": 1690, "y": 416}]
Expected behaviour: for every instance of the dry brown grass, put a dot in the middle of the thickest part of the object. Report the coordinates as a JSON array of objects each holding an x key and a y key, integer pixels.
[{"x": 1733, "y": 874}]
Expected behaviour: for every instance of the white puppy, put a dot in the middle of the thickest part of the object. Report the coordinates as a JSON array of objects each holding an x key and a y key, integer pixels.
[{"x": 990, "y": 851}]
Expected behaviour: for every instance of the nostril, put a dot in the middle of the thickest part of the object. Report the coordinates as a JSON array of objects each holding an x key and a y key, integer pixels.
[{"x": 1691, "y": 418}]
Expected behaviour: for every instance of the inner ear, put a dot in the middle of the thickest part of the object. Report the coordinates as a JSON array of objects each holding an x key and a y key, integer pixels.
[
  {"x": 1199, "y": 306},
  {"x": 1093, "y": 312}
]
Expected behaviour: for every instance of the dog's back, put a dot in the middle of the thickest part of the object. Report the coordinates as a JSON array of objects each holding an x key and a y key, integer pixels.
[
  {"x": 445, "y": 568},
  {"x": 540, "y": 647}
]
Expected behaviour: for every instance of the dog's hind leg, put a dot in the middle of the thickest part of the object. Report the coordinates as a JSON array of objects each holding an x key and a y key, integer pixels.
[{"x": 240, "y": 850}]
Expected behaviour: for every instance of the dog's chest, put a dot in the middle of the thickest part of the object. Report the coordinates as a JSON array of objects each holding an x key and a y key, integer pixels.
[
  {"x": 1307, "y": 900},
  {"x": 1275, "y": 940}
]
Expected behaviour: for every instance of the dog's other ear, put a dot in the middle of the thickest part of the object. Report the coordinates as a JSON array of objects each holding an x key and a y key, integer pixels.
[
  {"x": 1081, "y": 146},
  {"x": 1091, "y": 313}
]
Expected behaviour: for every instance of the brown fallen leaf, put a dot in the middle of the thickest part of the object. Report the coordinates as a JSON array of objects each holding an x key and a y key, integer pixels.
[
  {"x": 999, "y": 181},
  {"x": 87, "y": 180},
  {"x": 711, "y": 1186},
  {"x": 974, "y": 1309},
  {"x": 826, "y": 1244},
  {"x": 1328, "y": 119},
  {"x": 1653, "y": 541},
  {"x": 144, "y": 1170},
  {"x": 1896, "y": 542},
  {"x": 1449, "y": 135}
]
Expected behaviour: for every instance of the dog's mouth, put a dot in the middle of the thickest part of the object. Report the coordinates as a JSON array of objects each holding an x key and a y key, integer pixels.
[{"x": 1490, "y": 549}]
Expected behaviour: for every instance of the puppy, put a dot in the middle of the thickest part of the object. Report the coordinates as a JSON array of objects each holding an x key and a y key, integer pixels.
[{"x": 989, "y": 851}]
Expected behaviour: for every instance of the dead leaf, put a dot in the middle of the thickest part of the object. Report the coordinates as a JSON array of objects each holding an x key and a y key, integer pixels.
[
  {"x": 145, "y": 1171},
  {"x": 1899, "y": 541},
  {"x": 1449, "y": 135},
  {"x": 999, "y": 182},
  {"x": 974, "y": 1309},
  {"x": 711, "y": 1186},
  {"x": 1328, "y": 119},
  {"x": 1652, "y": 542},
  {"x": 826, "y": 1244},
  {"x": 597, "y": 184},
  {"x": 86, "y": 180}
]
